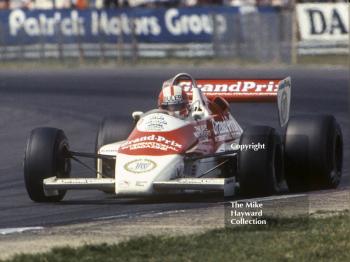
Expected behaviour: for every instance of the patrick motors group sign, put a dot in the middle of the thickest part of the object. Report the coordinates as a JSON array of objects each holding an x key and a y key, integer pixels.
[{"x": 175, "y": 25}]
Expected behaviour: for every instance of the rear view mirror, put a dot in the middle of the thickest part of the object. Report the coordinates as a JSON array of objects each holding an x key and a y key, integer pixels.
[{"x": 136, "y": 115}]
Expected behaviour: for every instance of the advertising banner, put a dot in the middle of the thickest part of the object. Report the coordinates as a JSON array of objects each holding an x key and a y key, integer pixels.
[
  {"x": 174, "y": 25},
  {"x": 323, "y": 21}
]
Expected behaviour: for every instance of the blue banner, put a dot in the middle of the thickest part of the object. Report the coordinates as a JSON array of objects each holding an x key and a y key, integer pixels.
[{"x": 175, "y": 25}]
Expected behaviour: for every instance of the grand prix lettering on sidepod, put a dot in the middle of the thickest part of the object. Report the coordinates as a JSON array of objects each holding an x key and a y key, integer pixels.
[
  {"x": 159, "y": 143},
  {"x": 153, "y": 142}
]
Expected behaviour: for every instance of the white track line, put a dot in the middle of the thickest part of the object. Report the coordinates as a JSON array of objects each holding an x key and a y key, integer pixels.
[
  {"x": 7, "y": 231},
  {"x": 270, "y": 198},
  {"x": 140, "y": 214},
  {"x": 155, "y": 214}
]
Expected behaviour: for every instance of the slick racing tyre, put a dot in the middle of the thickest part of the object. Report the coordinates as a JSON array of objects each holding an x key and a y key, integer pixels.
[
  {"x": 260, "y": 171},
  {"x": 111, "y": 131},
  {"x": 313, "y": 153},
  {"x": 45, "y": 157}
]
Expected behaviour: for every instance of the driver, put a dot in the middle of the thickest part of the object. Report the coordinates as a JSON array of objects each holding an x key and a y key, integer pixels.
[{"x": 175, "y": 100}]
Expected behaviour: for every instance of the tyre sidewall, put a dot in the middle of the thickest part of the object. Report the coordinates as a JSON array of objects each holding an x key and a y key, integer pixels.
[
  {"x": 257, "y": 170},
  {"x": 44, "y": 158}
]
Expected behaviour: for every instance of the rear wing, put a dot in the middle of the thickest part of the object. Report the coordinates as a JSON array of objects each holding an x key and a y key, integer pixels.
[
  {"x": 235, "y": 90},
  {"x": 252, "y": 90}
]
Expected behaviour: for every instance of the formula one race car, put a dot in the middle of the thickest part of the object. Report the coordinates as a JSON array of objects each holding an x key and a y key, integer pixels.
[{"x": 204, "y": 151}]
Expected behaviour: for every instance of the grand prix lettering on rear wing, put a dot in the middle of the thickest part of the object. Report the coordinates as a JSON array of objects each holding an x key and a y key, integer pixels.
[
  {"x": 252, "y": 90},
  {"x": 248, "y": 90}
]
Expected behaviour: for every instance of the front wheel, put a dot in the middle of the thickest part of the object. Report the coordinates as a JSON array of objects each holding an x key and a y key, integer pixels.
[{"x": 45, "y": 156}]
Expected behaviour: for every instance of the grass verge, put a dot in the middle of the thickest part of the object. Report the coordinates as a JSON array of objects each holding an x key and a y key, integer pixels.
[
  {"x": 325, "y": 238},
  {"x": 331, "y": 60},
  {"x": 75, "y": 63}
]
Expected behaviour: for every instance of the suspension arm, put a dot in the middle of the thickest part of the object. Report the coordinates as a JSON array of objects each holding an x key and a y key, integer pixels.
[{"x": 71, "y": 154}]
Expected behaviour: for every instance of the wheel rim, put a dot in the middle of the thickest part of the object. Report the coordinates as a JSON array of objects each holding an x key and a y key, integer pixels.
[{"x": 63, "y": 162}]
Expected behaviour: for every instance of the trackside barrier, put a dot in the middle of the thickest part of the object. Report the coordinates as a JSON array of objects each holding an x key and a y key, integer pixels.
[{"x": 261, "y": 34}]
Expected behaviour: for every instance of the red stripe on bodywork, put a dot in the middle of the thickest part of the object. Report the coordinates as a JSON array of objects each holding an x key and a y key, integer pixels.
[{"x": 177, "y": 141}]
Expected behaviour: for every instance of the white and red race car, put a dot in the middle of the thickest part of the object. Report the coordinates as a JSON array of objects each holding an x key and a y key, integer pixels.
[{"x": 207, "y": 151}]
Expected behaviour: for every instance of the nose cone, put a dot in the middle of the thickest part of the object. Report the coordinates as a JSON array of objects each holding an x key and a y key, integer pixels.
[
  {"x": 159, "y": 134},
  {"x": 134, "y": 175}
]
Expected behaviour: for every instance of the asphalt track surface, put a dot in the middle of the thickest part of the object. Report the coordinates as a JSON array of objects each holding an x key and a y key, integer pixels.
[{"x": 76, "y": 100}]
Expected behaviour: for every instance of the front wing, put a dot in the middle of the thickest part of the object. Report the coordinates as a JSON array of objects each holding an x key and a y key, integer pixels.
[{"x": 224, "y": 185}]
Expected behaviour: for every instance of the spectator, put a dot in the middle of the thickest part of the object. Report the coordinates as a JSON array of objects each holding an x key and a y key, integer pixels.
[
  {"x": 25, "y": 4},
  {"x": 110, "y": 3},
  {"x": 98, "y": 4},
  {"x": 240, "y": 2},
  {"x": 80, "y": 4},
  {"x": 63, "y": 4},
  {"x": 4, "y": 4}
]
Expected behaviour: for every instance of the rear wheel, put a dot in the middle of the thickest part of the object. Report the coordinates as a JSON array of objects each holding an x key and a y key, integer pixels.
[
  {"x": 313, "y": 153},
  {"x": 45, "y": 156},
  {"x": 260, "y": 167},
  {"x": 111, "y": 131}
]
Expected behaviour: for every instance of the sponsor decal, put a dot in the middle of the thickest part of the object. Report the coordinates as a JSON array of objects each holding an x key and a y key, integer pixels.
[
  {"x": 140, "y": 166},
  {"x": 155, "y": 122},
  {"x": 201, "y": 132},
  {"x": 225, "y": 127},
  {"x": 141, "y": 183},
  {"x": 233, "y": 86},
  {"x": 80, "y": 181},
  {"x": 326, "y": 22},
  {"x": 124, "y": 184},
  {"x": 283, "y": 101},
  {"x": 284, "y": 111},
  {"x": 172, "y": 100},
  {"x": 152, "y": 142},
  {"x": 102, "y": 151}
]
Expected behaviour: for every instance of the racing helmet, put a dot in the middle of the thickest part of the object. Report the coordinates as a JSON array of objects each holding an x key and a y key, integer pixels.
[{"x": 174, "y": 99}]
